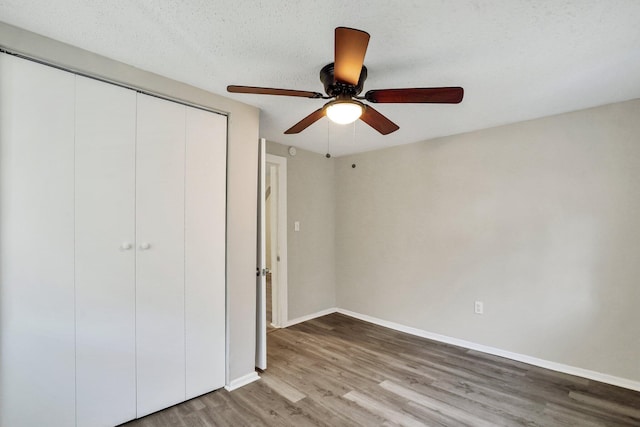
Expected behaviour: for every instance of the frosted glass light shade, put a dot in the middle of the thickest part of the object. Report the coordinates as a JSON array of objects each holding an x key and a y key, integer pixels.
[{"x": 344, "y": 112}]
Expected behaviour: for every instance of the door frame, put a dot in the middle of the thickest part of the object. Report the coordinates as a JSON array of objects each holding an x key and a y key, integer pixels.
[{"x": 279, "y": 290}]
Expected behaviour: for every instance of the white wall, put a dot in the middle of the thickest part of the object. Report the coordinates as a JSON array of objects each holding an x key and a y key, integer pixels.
[
  {"x": 311, "y": 201},
  {"x": 540, "y": 220},
  {"x": 242, "y": 161}
]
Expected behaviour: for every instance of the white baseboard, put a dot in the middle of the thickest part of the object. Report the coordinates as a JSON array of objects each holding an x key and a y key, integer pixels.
[
  {"x": 310, "y": 316},
  {"x": 559, "y": 367},
  {"x": 242, "y": 381}
]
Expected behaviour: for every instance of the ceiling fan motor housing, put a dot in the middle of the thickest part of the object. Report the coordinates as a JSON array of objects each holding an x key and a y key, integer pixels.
[{"x": 335, "y": 88}]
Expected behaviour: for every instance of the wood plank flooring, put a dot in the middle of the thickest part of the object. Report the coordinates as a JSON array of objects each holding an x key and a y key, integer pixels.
[
  {"x": 268, "y": 298},
  {"x": 339, "y": 371}
]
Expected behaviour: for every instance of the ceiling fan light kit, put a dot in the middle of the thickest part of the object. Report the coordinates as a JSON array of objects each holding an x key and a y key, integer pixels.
[
  {"x": 344, "y": 112},
  {"x": 343, "y": 81}
]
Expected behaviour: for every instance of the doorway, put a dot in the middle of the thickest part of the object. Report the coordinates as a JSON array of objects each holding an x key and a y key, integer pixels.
[
  {"x": 271, "y": 302},
  {"x": 276, "y": 240}
]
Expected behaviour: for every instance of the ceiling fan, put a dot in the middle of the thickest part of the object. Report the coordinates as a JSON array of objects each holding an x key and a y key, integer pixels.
[{"x": 343, "y": 81}]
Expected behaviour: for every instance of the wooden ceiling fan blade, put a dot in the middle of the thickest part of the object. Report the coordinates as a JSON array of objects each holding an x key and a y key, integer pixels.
[
  {"x": 306, "y": 122},
  {"x": 436, "y": 95},
  {"x": 379, "y": 122},
  {"x": 350, "y": 48},
  {"x": 273, "y": 91}
]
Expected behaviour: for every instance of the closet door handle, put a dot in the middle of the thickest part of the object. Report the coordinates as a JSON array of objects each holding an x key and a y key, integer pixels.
[
  {"x": 126, "y": 246},
  {"x": 144, "y": 246}
]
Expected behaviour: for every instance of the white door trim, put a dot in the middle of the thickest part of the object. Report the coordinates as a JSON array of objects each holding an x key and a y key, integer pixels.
[{"x": 279, "y": 290}]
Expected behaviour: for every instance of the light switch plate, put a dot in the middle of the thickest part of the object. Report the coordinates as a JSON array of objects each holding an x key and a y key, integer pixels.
[{"x": 478, "y": 307}]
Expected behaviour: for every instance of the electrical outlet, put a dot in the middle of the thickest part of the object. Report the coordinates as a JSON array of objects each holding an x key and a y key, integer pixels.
[
  {"x": 296, "y": 226},
  {"x": 478, "y": 307}
]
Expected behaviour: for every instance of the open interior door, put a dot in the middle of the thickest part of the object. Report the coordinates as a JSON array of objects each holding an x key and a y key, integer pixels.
[{"x": 261, "y": 270}]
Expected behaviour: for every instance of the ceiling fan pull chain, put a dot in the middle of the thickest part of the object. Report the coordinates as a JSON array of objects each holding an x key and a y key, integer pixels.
[{"x": 328, "y": 155}]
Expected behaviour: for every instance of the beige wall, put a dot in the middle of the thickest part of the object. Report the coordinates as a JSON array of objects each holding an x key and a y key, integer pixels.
[
  {"x": 242, "y": 161},
  {"x": 540, "y": 220},
  {"x": 310, "y": 200}
]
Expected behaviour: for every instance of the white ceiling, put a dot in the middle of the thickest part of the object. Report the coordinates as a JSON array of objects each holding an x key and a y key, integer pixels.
[{"x": 516, "y": 59}]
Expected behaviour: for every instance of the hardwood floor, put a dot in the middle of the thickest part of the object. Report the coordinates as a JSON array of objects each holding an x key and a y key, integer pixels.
[
  {"x": 269, "y": 298},
  {"x": 339, "y": 371}
]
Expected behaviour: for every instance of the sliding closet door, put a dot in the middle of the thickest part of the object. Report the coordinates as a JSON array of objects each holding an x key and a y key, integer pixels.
[
  {"x": 105, "y": 257},
  {"x": 37, "y": 348},
  {"x": 160, "y": 334},
  {"x": 206, "y": 140}
]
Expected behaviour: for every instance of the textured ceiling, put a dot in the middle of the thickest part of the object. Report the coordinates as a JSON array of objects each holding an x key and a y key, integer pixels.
[{"x": 516, "y": 59}]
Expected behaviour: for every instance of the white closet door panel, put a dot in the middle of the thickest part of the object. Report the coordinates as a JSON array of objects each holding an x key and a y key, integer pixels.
[
  {"x": 105, "y": 268},
  {"x": 160, "y": 325},
  {"x": 37, "y": 342},
  {"x": 206, "y": 142}
]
